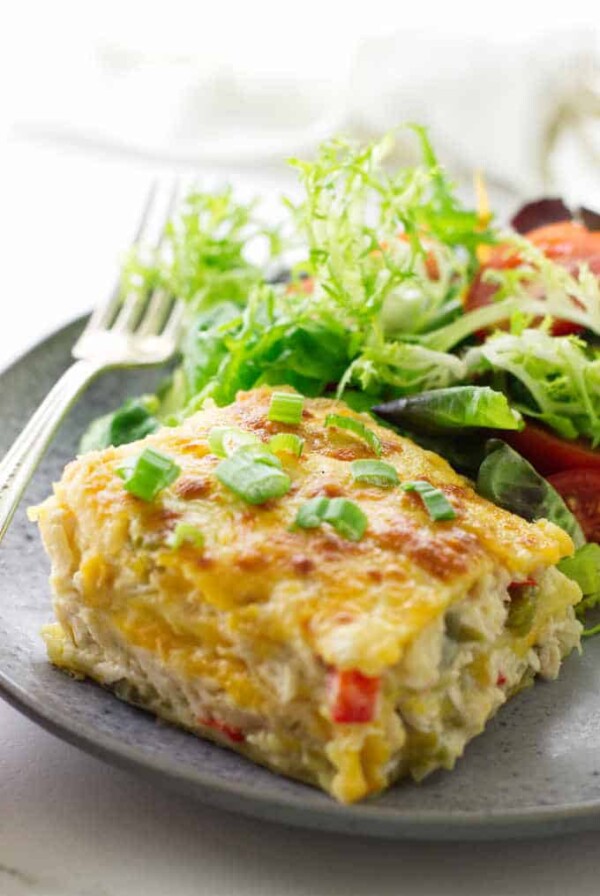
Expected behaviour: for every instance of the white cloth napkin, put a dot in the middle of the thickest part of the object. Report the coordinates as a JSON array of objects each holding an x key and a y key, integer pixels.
[{"x": 490, "y": 104}]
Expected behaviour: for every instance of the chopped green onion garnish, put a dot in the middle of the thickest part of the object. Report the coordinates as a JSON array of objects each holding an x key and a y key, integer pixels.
[
  {"x": 374, "y": 472},
  {"x": 252, "y": 479},
  {"x": 146, "y": 475},
  {"x": 286, "y": 407},
  {"x": 260, "y": 453},
  {"x": 345, "y": 516},
  {"x": 184, "y": 533},
  {"x": 437, "y": 504},
  {"x": 224, "y": 440},
  {"x": 287, "y": 442},
  {"x": 310, "y": 515},
  {"x": 359, "y": 429},
  {"x": 172, "y": 420}
]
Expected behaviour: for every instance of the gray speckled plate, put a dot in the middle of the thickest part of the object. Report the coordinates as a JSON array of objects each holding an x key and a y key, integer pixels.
[{"x": 535, "y": 770}]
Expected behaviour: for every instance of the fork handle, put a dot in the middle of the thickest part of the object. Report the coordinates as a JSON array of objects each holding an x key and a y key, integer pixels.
[{"x": 19, "y": 464}]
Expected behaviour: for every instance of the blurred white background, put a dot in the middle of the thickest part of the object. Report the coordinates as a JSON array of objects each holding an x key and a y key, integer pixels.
[
  {"x": 95, "y": 98},
  {"x": 237, "y": 83}
]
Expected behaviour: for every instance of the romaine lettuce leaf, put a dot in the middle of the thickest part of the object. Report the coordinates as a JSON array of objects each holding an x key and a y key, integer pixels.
[{"x": 584, "y": 568}]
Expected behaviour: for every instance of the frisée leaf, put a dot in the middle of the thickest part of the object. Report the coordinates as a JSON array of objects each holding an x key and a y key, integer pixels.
[{"x": 558, "y": 377}]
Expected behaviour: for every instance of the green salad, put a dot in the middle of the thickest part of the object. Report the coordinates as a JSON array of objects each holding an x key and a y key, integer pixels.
[{"x": 475, "y": 340}]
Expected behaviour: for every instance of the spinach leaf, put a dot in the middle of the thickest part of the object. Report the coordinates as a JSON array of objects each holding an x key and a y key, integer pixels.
[
  {"x": 132, "y": 421},
  {"x": 508, "y": 480},
  {"x": 456, "y": 407},
  {"x": 205, "y": 345}
]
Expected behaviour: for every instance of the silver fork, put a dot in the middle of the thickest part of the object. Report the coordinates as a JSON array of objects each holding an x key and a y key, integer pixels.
[{"x": 123, "y": 332}]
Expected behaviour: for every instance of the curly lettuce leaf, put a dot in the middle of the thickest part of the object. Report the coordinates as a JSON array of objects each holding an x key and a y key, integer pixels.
[
  {"x": 387, "y": 250},
  {"x": 204, "y": 255},
  {"x": 572, "y": 296},
  {"x": 558, "y": 378},
  {"x": 568, "y": 295},
  {"x": 389, "y": 254},
  {"x": 401, "y": 368}
]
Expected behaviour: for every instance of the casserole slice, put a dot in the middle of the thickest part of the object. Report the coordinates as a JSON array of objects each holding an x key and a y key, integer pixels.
[{"x": 341, "y": 657}]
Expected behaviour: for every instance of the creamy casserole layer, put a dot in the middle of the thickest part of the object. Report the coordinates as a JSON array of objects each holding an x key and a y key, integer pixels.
[{"x": 263, "y": 637}]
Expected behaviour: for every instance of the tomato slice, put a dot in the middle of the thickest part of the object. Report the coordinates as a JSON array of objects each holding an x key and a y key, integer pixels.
[
  {"x": 352, "y": 696},
  {"x": 566, "y": 242},
  {"x": 550, "y": 453},
  {"x": 580, "y": 490},
  {"x": 302, "y": 286}
]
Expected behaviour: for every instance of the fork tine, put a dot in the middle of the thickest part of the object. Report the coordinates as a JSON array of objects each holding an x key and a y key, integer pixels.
[
  {"x": 173, "y": 325},
  {"x": 103, "y": 314},
  {"x": 152, "y": 190},
  {"x": 156, "y": 313},
  {"x": 139, "y": 329},
  {"x": 151, "y": 237},
  {"x": 160, "y": 212},
  {"x": 127, "y": 313}
]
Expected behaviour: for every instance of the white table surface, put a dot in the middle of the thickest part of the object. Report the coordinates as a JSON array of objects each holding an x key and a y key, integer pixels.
[{"x": 72, "y": 826}]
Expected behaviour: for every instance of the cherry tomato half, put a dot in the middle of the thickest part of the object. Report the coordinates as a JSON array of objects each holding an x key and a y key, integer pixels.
[
  {"x": 566, "y": 242},
  {"x": 550, "y": 453},
  {"x": 580, "y": 490}
]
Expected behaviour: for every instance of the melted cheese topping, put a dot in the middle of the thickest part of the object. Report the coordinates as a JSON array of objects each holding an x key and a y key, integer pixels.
[{"x": 353, "y": 605}]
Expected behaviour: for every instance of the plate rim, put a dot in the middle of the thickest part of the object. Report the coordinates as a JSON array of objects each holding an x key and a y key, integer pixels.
[{"x": 385, "y": 822}]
